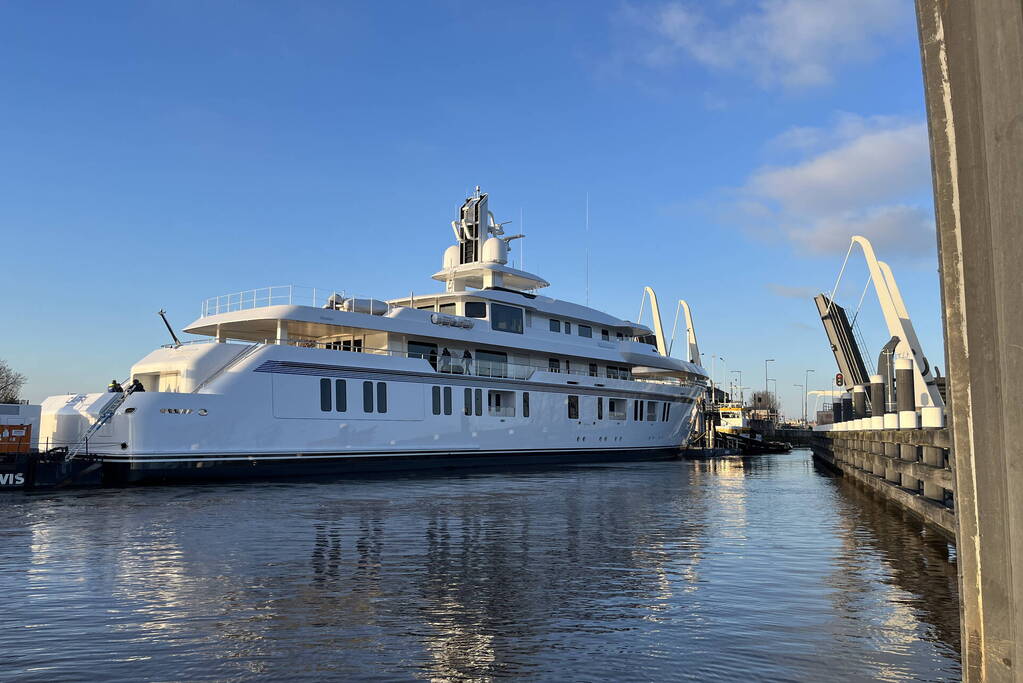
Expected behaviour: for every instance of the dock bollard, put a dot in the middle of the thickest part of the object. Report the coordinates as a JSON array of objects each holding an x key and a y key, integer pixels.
[
  {"x": 876, "y": 402},
  {"x": 859, "y": 402},
  {"x": 847, "y": 412},
  {"x": 905, "y": 394}
]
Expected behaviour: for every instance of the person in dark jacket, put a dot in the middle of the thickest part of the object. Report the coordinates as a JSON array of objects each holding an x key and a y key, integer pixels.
[
  {"x": 135, "y": 385},
  {"x": 115, "y": 387}
]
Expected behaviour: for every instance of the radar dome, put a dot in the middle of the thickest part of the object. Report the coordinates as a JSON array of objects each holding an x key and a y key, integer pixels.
[
  {"x": 495, "y": 250},
  {"x": 451, "y": 256}
]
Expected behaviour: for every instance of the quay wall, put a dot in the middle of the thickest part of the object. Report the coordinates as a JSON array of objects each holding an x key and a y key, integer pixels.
[{"x": 910, "y": 467}]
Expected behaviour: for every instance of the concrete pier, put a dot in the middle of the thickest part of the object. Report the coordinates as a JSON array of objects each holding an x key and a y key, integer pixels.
[
  {"x": 889, "y": 462},
  {"x": 973, "y": 78}
]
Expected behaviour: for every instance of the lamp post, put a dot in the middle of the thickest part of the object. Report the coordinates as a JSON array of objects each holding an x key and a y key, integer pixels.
[
  {"x": 802, "y": 389},
  {"x": 806, "y": 384},
  {"x": 740, "y": 384}
]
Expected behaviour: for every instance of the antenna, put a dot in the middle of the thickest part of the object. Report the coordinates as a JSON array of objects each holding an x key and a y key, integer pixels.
[
  {"x": 522, "y": 247},
  {"x": 163, "y": 314},
  {"x": 587, "y": 249}
]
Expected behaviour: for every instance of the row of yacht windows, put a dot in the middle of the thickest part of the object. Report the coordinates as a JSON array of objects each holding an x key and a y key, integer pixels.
[
  {"x": 582, "y": 330},
  {"x": 504, "y": 318},
  {"x": 334, "y": 396},
  {"x": 495, "y": 363}
]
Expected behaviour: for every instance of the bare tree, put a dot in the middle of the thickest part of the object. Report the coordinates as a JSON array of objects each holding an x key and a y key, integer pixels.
[
  {"x": 763, "y": 400},
  {"x": 10, "y": 383}
]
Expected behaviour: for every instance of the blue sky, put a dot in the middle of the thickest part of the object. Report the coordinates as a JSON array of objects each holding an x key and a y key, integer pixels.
[{"x": 158, "y": 153}]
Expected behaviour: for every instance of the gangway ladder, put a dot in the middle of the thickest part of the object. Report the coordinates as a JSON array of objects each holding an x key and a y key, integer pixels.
[{"x": 104, "y": 417}]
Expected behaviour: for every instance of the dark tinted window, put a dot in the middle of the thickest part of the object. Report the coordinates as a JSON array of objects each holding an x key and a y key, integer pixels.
[
  {"x": 555, "y": 325},
  {"x": 600, "y": 407},
  {"x": 479, "y": 402},
  {"x": 436, "y": 400},
  {"x": 568, "y": 328},
  {"x": 325, "y": 395},
  {"x": 585, "y": 331},
  {"x": 604, "y": 334},
  {"x": 553, "y": 364},
  {"x": 447, "y": 308},
  {"x": 447, "y": 400},
  {"x": 367, "y": 397},
  {"x": 475, "y": 309},
  {"x": 525, "y": 404},
  {"x": 573, "y": 407},
  {"x": 506, "y": 318},
  {"x": 593, "y": 370},
  {"x": 340, "y": 395},
  {"x": 422, "y": 350},
  {"x": 381, "y": 397},
  {"x": 467, "y": 403}
]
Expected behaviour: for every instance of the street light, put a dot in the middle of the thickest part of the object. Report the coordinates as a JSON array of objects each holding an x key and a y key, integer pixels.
[
  {"x": 806, "y": 384},
  {"x": 802, "y": 388}
]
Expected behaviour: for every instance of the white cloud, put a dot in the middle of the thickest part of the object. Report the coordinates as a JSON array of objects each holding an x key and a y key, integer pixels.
[
  {"x": 877, "y": 166},
  {"x": 794, "y": 43},
  {"x": 890, "y": 229},
  {"x": 868, "y": 177}
]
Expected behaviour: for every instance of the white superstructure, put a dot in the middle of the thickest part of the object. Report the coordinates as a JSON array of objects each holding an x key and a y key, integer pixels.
[{"x": 290, "y": 380}]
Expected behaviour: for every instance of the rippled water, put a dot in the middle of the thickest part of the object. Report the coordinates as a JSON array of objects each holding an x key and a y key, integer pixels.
[{"x": 733, "y": 569}]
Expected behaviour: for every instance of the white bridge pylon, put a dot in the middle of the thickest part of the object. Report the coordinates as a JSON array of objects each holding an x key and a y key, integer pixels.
[{"x": 893, "y": 308}]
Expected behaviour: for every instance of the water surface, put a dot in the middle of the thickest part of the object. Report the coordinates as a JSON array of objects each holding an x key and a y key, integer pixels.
[{"x": 734, "y": 569}]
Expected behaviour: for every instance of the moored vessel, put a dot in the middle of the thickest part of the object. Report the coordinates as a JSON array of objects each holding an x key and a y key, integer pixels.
[{"x": 289, "y": 380}]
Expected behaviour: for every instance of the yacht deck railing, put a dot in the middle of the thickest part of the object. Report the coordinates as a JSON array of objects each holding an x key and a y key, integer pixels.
[
  {"x": 457, "y": 365},
  {"x": 281, "y": 295}
]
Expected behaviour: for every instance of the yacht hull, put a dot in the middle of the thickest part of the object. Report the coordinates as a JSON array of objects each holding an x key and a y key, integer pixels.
[{"x": 295, "y": 466}]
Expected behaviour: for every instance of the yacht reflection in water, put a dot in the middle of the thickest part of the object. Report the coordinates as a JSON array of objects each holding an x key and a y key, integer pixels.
[
  {"x": 496, "y": 579},
  {"x": 744, "y": 568}
]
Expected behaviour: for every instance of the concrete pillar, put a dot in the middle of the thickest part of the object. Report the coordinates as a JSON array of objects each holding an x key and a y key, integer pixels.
[
  {"x": 859, "y": 400},
  {"x": 876, "y": 402},
  {"x": 934, "y": 492},
  {"x": 904, "y": 394},
  {"x": 891, "y": 450},
  {"x": 891, "y": 415},
  {"x": 972, "y": 52},
  {"x": 907, "y": 453},
  {"x": 847, "y": 409},
  {"x": 221, "y": 338}
]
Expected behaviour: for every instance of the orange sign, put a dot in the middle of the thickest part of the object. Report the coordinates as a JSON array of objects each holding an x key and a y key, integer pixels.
[{"x": 15, "y": 438}]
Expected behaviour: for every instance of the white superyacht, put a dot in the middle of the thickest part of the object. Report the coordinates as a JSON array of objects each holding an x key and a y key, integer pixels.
[{"x": 288, "y": 381}]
